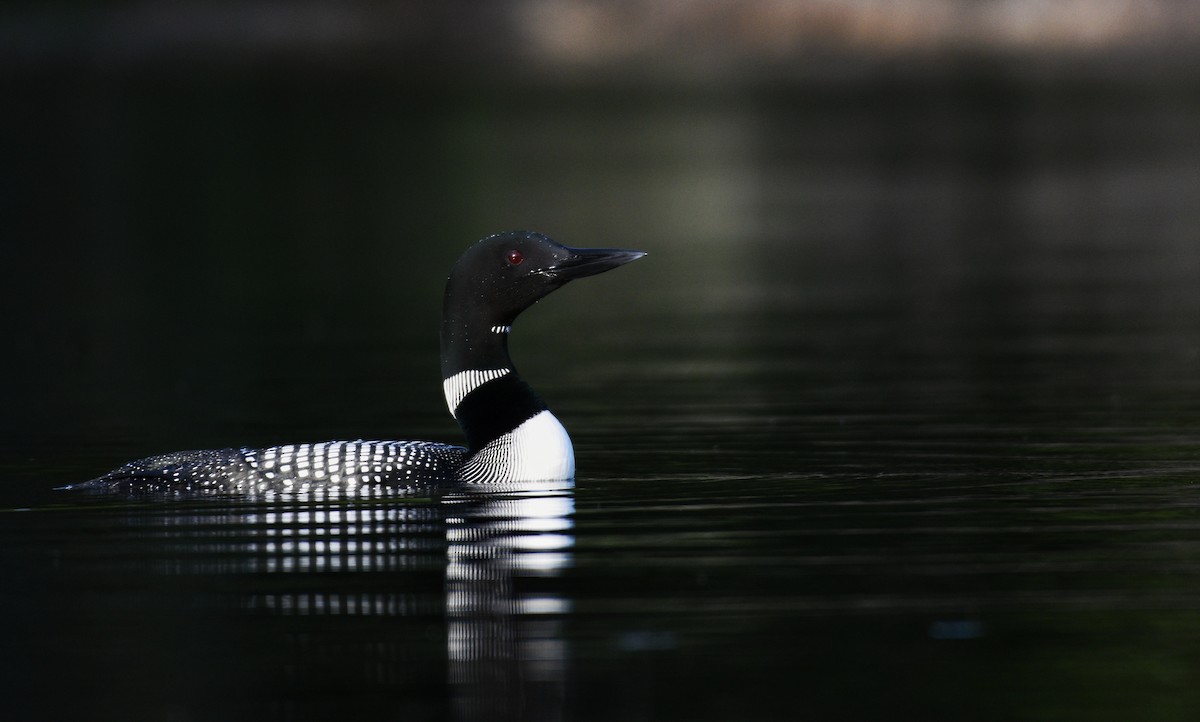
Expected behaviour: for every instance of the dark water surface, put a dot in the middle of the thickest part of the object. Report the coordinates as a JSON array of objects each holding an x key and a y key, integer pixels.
[{"x": 898, "y": 419}]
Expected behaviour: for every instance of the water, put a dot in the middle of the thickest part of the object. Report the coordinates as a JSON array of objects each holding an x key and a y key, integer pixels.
[{"x": 898, "y": 419}]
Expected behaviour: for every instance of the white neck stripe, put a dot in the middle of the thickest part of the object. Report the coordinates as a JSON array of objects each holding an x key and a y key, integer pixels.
[{"x": 464, "y": 382}]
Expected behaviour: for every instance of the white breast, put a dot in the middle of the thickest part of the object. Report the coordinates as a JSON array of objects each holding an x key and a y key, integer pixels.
[{"x": 537, "y": 450}]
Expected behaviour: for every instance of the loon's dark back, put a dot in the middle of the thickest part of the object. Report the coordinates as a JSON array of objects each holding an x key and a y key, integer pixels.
[{"x": 511, "y": 434}]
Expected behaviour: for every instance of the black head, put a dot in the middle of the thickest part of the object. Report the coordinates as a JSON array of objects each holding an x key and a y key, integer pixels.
[
  {"x": 502, "y": 275},
  {"x": 498, "y": 278}
]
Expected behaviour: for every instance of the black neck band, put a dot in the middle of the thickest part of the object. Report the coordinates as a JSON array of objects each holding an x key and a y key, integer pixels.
[{"x": 495, "y": 408}]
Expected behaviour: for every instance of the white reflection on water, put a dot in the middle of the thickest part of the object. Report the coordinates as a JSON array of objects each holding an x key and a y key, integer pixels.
[
  {"x": 498, "y": 549},
  {"x": 505, "y": 643},
  {"x": 337, "y": 540}
]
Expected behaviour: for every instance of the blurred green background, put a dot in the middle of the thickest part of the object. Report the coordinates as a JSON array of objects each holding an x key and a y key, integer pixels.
[{"x": 258, "y": 202}]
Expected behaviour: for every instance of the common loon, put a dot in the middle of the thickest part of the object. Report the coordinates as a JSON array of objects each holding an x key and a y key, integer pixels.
[{"x": 511, "y": 434}]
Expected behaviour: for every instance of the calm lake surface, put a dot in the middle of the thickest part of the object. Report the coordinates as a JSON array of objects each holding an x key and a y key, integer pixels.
[{"x": 898, "y": 419}]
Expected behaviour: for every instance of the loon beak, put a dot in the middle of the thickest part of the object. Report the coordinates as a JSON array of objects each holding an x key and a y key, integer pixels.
[{"x": 590, "y": 261}]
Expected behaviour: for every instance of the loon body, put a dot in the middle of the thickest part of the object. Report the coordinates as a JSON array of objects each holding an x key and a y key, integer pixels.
[{"x": 511, "y": 434}]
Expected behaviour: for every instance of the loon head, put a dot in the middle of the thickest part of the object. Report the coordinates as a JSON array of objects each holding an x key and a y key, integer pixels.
[
  {"x": 498, "y": 278},
  {"x": 511, "y": 434}
]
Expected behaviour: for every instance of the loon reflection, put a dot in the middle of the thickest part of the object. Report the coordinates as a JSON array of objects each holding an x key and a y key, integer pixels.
[{"x": 479, "y": 566}]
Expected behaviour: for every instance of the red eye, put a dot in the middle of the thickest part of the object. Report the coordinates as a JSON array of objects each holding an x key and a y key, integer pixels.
[{"x": 515, "y": 258}]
